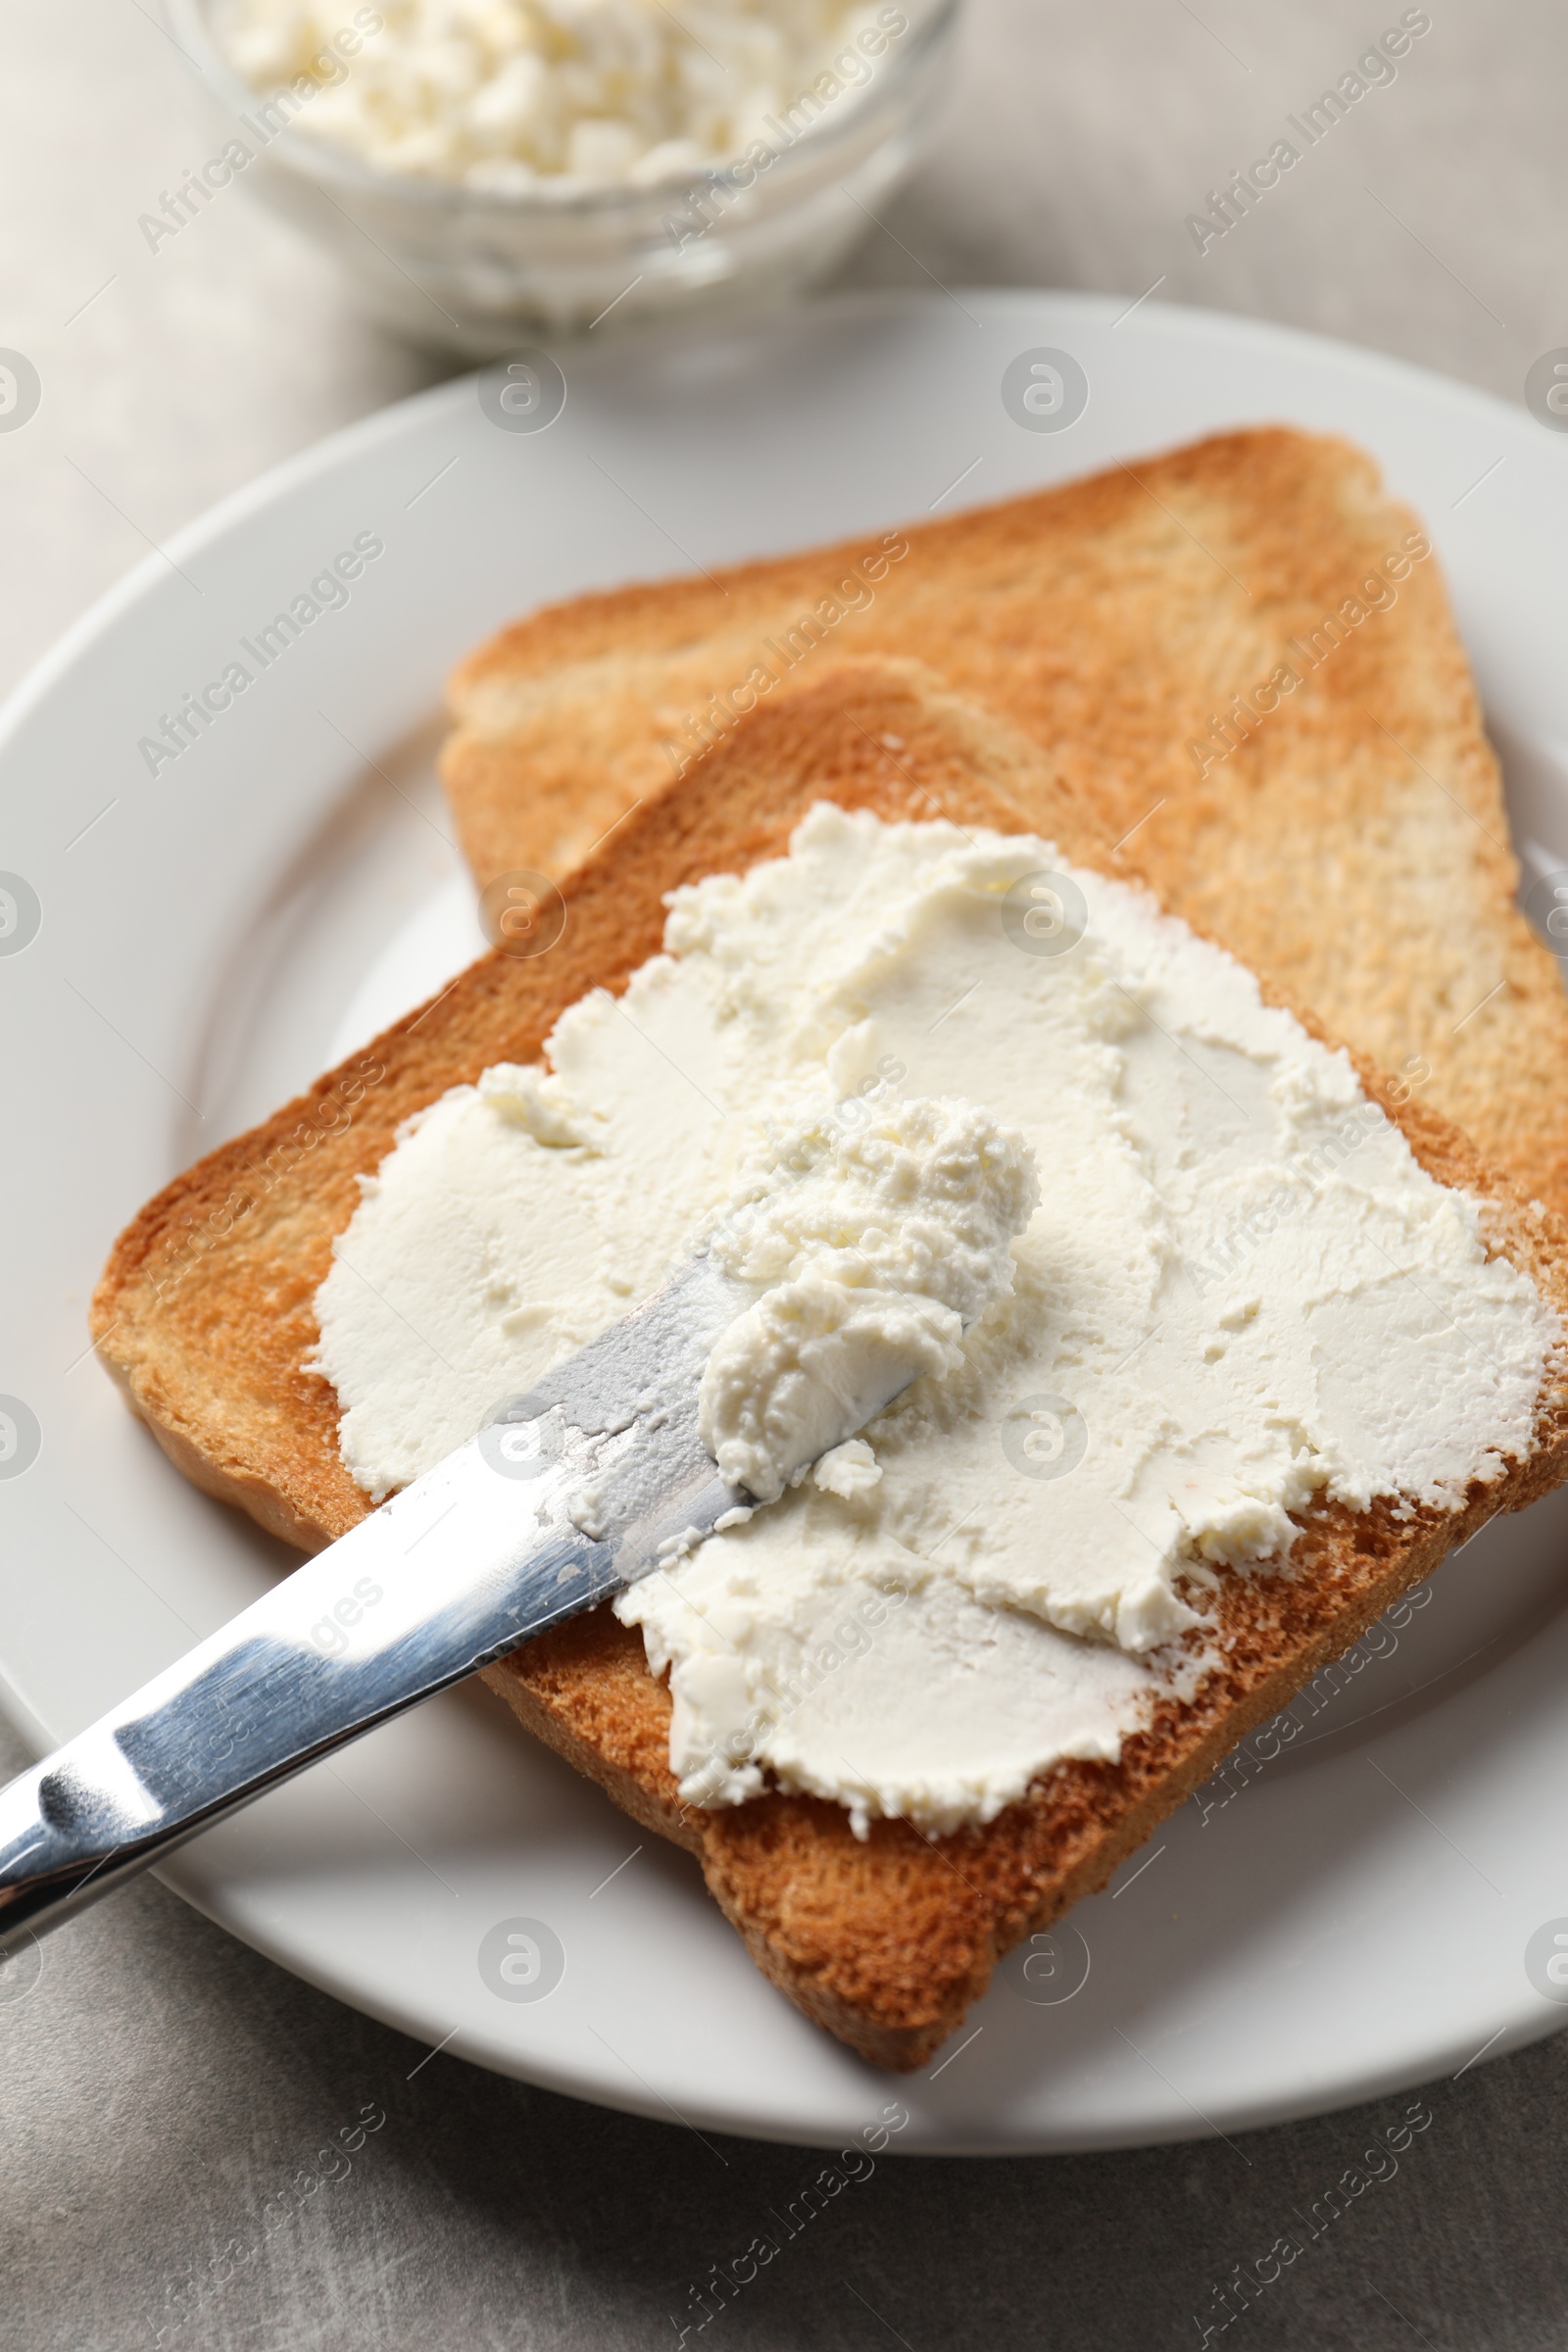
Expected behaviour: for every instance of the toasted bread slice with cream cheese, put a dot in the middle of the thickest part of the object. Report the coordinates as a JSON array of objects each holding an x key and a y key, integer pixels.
[
  {"x": 1242, "y": 658},
  {"x": 204, "y": 1315}
]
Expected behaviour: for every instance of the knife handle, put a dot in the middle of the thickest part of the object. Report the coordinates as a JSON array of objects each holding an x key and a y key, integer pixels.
[
  {"x": 462, "y": 1566},
  {"x": 450, "y": 1574}
]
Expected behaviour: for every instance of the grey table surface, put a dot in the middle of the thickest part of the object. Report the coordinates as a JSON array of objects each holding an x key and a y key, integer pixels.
[{"x": 159, "y": 2082}]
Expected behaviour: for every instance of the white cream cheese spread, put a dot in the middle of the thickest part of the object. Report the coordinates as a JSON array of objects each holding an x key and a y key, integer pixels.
[
  {"x": 1239, "y": 1294},
  {"x": 873, "y": 1249},
  {"x": 513, "y": 96}
]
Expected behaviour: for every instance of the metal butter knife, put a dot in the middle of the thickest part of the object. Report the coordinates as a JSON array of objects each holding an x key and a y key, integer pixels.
[{"x": 573, "y": 1491}]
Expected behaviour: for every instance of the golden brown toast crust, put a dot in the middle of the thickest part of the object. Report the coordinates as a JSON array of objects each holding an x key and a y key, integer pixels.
[
  {"x": 1354, "y": 847},
  {"x": 886, "y": 1941}
]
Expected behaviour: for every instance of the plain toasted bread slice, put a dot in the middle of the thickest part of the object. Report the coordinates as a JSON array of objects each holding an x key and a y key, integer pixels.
[
  {"x": 204, "y": 1314},
  {"x": 1350, "y": 844}
]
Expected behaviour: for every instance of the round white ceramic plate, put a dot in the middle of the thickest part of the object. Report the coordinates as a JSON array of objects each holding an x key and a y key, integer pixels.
[{"x": 1353, "y": 1916}]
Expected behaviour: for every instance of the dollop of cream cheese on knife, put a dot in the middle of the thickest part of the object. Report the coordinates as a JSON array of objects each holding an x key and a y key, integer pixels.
[
  {"x": 872, "y": 1249},
  {"x": 1239, "y": 1292}
]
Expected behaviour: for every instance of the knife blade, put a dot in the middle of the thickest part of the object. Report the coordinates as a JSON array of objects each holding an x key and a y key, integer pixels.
[{"x": 569, "y": 1492}]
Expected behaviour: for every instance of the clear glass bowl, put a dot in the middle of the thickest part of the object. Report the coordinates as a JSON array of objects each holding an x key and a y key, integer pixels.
[{"x": 470, "y": 270}]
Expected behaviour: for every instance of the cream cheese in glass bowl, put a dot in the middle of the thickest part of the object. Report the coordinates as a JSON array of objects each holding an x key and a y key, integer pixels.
[{"x": 485, "y": 166}]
